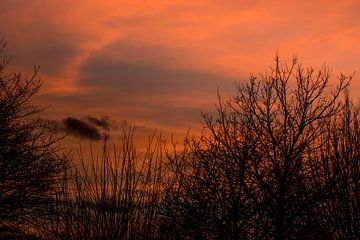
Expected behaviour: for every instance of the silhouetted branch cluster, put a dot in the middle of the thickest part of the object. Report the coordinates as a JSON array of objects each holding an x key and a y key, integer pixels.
[
  {"x": 280, "y": 160},
  {"x": 30, "y": 164}
]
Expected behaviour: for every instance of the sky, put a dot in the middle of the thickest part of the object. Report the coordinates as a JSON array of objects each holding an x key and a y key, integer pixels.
[{"x": 159, "y": 64}]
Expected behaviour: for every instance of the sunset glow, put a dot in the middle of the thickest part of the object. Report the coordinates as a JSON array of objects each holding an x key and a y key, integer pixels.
[{"x": 158, "y": 64}]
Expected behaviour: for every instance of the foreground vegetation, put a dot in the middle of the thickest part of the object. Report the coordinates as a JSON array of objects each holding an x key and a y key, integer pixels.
[{"x": 280, "y": 160}]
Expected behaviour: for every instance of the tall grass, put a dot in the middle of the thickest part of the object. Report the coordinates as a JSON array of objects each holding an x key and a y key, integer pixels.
[{"x": 114, "y": 196}]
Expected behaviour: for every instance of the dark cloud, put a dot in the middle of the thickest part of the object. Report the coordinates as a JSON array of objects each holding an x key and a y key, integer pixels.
[
  {"x": 141, "y": 79},
  {"x": 147, "y": 70},
  {"x": 144, "y": 91},
  {"x": 100, "y": 122},
  {"x": 169, "y": 114},
  {"x": 81, "y": 129},
  {"x": 136, "y": 83},
  {"x": 143, "y": 52}
]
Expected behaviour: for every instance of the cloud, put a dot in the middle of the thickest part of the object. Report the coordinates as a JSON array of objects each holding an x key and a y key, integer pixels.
[
  {"x": 100, "y": 122},
  {"x": 135, "y": 70},
  {"x": 136, "y": 84},
  {"x": 81, "y": 129},
  {"x": 160, "y": 63},
  {"x": 150, "y": 92}
]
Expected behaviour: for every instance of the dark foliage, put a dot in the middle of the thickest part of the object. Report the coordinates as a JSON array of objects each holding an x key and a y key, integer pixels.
[{"x": 29, "y": 161}]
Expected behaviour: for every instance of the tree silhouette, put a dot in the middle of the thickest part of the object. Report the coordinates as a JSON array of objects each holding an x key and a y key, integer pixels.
[
  {"x": 280, "y": 160},
  {"x": 264, "y": 168},
  {"x": 341, "y": 212},
  {"x": 29, "y": 161}
]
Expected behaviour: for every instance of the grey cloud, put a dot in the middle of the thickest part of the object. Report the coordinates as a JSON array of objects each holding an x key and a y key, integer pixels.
[
  {"x": 81, "y": 129},
  {"x": 166, "y": 113},
  {"x": 92, "y": 128},
  {"x": 100, "y": 122},
  {"x": 140, "y": 90},
  {"x": 140, "y": 79},
  {"x": 147, "y": 88},
  {"x": 143, "y": 69},
  {"x": 157, "y": 54}
]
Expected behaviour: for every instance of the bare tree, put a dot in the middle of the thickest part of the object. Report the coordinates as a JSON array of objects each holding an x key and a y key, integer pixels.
[
  {"x": 259, "y": 170},
  {"x": 30, "y": 164},
  {"x": 341, "y": 212}
]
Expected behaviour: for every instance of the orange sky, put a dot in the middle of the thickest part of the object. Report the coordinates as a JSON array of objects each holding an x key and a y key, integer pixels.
[{"x": 158, "y": 63}]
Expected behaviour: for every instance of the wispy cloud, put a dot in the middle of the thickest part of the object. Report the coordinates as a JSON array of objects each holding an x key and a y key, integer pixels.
[{"x": 160, "y": 62}]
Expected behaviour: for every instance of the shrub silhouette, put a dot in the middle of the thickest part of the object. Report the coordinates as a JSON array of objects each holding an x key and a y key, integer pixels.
[
  {"x": 30, "y": 165},
  {"x": 116, "y": 196}
]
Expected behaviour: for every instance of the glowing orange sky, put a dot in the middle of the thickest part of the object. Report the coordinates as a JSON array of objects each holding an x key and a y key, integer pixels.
[{"x": 159, "y": 63}]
